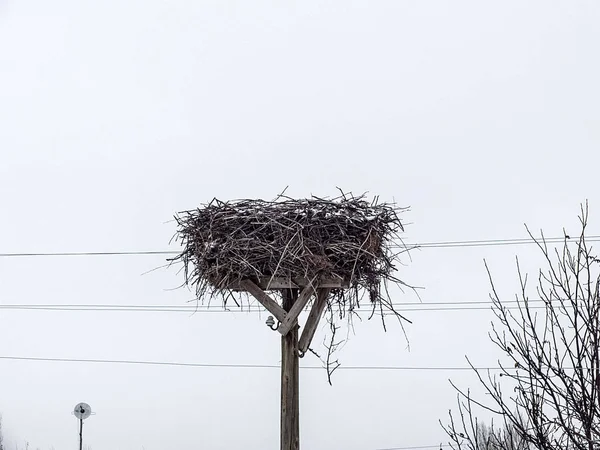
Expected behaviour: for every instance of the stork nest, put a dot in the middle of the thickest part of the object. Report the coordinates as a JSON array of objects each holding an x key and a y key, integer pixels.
[{"x": 346, "y": 238}]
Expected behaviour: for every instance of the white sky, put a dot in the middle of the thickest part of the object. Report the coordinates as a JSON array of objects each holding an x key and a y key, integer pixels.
[{"x": 114, "y": 115}]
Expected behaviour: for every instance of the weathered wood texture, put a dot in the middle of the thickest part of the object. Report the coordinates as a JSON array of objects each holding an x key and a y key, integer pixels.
[
  {"x": 290, "y": 424},
  {"x": 271, "y": 305},
  {"x": 313, "y": 319},
  {"x": 291, "y": 318},
  {"x": 291, "y": 348},
  {"x": 294, "y": 283}
]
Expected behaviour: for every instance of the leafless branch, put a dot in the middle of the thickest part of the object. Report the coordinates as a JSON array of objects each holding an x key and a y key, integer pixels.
[{"x": 551, "y": 359}]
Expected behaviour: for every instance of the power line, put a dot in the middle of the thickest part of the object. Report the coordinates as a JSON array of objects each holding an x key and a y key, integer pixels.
[
  {"x": 242, "y": 366},
  {"x": 116, "y": 253},
  {"x": 415, "y": 448},
  {"x": 494, "y": 242},
  {"x": 226, "y": 311},
  {"x": 235, "y": 366},
  {"x": 400, "y": 307},
  {"x": 190, "y": 304},
  {"x": 433, "y": 244}
]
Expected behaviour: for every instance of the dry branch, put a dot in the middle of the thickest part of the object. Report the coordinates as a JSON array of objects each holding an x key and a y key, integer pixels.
[
  {"x": 548, "y": 389},
  {"x": 346, "y": 238}
]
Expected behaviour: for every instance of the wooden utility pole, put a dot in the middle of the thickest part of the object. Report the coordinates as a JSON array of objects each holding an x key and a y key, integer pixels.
[
  {"x": 295, "y": 294},
  {"x": 290, "y": 402}
]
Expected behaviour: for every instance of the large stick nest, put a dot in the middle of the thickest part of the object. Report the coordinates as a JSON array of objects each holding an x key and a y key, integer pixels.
[{"x": 347, "y": 238}]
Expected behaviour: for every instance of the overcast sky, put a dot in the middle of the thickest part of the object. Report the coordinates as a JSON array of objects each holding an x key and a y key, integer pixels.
[{"x": 480, "y": 116}]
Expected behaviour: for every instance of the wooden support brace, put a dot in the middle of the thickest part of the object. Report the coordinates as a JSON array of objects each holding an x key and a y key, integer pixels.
[
  {"x": 292, "y": 316},
  {"x": 271, "y": 305},
  {"x": 313, "y": 320}
]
